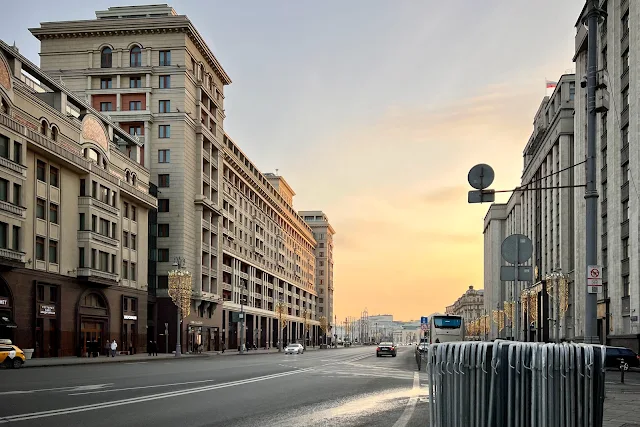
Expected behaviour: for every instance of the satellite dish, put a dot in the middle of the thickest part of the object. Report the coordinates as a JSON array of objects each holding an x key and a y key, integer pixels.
[{"x": 481, "y": 176}]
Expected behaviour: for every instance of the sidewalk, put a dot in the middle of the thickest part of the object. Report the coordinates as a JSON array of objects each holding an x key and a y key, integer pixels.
[
  {"x": 137, "y": 358},
  {"x": 622, "y": 400}
]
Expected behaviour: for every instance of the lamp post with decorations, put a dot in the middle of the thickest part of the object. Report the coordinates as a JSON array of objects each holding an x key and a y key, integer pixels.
[
  {"x": 180, "y": 293},
  {"x": 305, "y": 315},
  {"x": 280, "y": 311}
]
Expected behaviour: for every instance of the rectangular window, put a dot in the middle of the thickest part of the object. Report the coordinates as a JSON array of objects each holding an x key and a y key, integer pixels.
[
  {"x": 163, "y": 230},
  {"x": 625, "y": 210},
  {"x": 135, "y": 105},
  {"x": 163, "y": 180},
  {"x": 53, "y": 176},
  {"x": 104, "y": 227},
  {"x": 83, "y": 188},
  {"x": 53, "y": 213},
  {"x": 135, "y": 130},
  {"x": 126, "y": 210},
  {"x": 163, "y": 255},
  {"x": 625, "y": 248},
  {"x": 165, "y": 58},
  {"x": 625, "y": 286},
  {"x": 133, "y": 242},
  {"x": 94, "y": 258},
  {"x": 53, "y": 251},
  {"x": 16, "y": 238},
  {"x": 125, "y": 269},
  {"x": 81, "y": 257},
  {"x": 106, "y": 106},
  {"x": 625, "y": 98},
  {"x": 41, "y": 171},
  {"x": 134, "y": 274},
  {"x": 4, "y": 229},
  {"x": 106, "y": 83},
  {"x": 4, "y": 146},
  {"x": 164, "y": 106},
  {"x": 125, "y": 239},
  {"x": 94, "y": 189},
  {"x": 164, "y": 131},
  {"x": 17, "y": 152},
  {"x": 104, "y": 194},
  {"x": 164, "y": 156},
  {"x": 625, "y": 173},
  {"x": 135, "y": 82},
  {"x": 165, "y": 82},
  {"x": 104, "y": 261},
  {"x": 81, "y": 221},
  {"x": 625, "y": 61},
  {"x": 4, "y": 190},
  {"x": 40, "y": 209},
  {"x": 133, "y": 213},
  {"x": 163, "y": 205},
  {"x": 40, "y": 248},
  {"x": 17, "y": 195},
  {"x": 94, "y": 223}
]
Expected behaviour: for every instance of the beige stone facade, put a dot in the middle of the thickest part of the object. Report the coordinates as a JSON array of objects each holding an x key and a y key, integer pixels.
[
  {"x": 236, "y": 229},
  {"x": 73, "y": 229}
]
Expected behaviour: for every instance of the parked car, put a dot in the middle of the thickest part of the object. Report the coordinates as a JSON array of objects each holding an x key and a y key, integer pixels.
[
  {"x": 11, "y": 355},
  {"x": 294, "y": 349},
  {"x": 615, "y": 354},
  {"x": 386, "y": 348}
]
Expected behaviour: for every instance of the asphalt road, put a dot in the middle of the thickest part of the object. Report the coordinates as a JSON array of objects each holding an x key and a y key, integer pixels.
[{"x": 344, "y": 387}]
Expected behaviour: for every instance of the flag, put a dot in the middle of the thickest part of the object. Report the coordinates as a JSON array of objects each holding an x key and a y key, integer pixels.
[{"x": 551, "y": 85}]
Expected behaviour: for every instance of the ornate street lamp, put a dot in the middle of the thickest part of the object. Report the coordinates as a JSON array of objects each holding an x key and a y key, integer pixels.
[
  {"x": 280, "y": 309},
  {"x": 180, "y": 293}
]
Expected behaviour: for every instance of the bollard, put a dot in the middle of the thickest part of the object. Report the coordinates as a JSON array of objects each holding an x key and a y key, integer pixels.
[{"x": 623, "y": 367}]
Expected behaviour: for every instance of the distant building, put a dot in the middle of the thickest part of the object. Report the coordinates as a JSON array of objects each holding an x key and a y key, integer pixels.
[{"x": 470, "y": 305}]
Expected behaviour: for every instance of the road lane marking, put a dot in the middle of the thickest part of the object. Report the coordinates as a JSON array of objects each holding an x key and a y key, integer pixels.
[
  {"x": 69, "y": 388},
  {"x": 411, "y": 405},
  {"x": 139, "y": 387},
  {"x": 102, "y": 405}
]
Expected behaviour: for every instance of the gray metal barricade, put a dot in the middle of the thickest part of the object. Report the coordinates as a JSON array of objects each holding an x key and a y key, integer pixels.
[{"x": 515, "y": 384}]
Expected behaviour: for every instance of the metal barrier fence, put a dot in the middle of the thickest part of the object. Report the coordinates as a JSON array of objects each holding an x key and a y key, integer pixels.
[{"x": 515, "y": 384}]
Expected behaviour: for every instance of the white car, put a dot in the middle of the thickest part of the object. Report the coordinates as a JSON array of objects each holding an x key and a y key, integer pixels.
[{"x": 294, "y": 349}]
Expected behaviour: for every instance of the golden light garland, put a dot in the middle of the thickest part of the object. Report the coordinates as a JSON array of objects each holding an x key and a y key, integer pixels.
[
  {"x": 280, "y": 308},
  {"x": 323, "y": 324},
  {"x": 498, "y": 318},
  {"x": 510, "y": 310},
  {"x": 563, "y": 292},
  {"x": 180, "y": 290}
]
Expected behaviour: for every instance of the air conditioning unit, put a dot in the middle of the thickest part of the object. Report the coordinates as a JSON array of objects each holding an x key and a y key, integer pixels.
[{"x": 602, "y": 101}]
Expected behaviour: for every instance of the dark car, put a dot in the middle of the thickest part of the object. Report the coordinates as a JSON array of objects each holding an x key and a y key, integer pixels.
[
  {"x": 615, "y": 354},
  {"x": 387, "y": 348}
]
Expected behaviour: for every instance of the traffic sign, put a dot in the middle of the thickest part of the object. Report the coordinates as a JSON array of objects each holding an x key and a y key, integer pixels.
[
  {"x": 424, "y": 320},
  {"x": 594, "y": 279}
]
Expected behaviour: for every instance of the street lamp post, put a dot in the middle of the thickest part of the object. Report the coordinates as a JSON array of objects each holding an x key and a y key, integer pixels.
[
  {"x": 180, "y": 293},
  {"x": 242, "y": 323},
  {"x": 280, "y": 307},
  {"x": 305, "y": 315}
]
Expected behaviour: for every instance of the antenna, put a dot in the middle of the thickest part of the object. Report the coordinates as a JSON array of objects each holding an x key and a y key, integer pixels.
[{"x": 277, "y": 172}]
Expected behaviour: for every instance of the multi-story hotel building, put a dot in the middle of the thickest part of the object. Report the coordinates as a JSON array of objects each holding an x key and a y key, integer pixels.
[
  {"x": 323, "y": 233},
  {"x": 73, "y": 220},
  {"x": 469, "y": 306},
  {"x": 232, "y": 227},
  {"x": 542, "y": 211}
]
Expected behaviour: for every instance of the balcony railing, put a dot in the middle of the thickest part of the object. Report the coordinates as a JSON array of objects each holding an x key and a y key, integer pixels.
[
  {"x": 13, "y": 209},
  {"x": 90, "y": 201},
  {"x": 94, "y": 273},
  {"x": 12, "y": 254},
  {"x": 88, "y": 235},
  {"x": 13, "y": 167}
]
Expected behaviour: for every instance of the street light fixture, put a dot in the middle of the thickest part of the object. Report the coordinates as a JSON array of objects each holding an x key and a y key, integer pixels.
[
  {"x": 280, "y": 309},
  {"x": 243, "y": 334},
  {"x": 180, "y": 293},
  {"x": 305, "y": 315}
]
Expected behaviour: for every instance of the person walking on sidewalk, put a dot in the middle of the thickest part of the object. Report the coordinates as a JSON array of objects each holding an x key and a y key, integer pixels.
[
  {"x": 114, "y": 346},
  {"x": 154, "y": 347}
]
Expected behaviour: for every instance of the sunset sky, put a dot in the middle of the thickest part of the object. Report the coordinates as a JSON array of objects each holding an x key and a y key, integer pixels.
[{"x": 374, "y": 111}]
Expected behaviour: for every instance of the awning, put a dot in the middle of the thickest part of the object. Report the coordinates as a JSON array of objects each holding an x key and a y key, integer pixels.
[{"x": 7, "y": 322}]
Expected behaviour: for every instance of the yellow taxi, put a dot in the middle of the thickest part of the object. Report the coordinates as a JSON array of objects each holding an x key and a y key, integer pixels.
[{"x": 11, "y": 356}]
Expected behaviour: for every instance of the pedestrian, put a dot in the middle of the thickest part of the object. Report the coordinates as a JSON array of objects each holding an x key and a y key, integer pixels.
[
  {"x": 155, "y": 348},
  {"x": 114, "y": 346},
  {"x": 150, "y": 347},
  {"x": 224, "y": 347}
]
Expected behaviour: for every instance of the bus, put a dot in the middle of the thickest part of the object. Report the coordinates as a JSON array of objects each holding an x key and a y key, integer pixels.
[{"x": 446, "y": 328}]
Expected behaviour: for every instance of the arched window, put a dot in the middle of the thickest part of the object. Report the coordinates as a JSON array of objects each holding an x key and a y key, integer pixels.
[
  {"x": 127, "y": 176},
  {"x": 104, "y": 164},
  {"x": 43, "y": 127},
  {"x": 135, "y": 57},
  {"x": 94, "y": 301},
  {"x": 106, "y": 58},
  {"x": 54, "y": 133},
  {"x": 133, "y": 179},
  {"x": 92, "y": 155}
]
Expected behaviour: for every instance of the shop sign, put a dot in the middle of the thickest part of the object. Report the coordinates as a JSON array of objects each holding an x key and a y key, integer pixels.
[
  {"x": 196, "y": 322},
  {"x": 47, "y": 310},
  {"x": 130, "y": 317},
  {"x": 4, "y": 302}
]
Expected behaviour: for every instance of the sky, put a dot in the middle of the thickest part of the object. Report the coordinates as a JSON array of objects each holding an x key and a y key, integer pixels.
[{"x": 374, "y": 111}]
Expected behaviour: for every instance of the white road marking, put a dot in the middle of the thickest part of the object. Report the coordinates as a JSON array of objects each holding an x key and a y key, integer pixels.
[
  {"x": 72, "y": 410},
  {"x": 139, "y": 387},
  {"x": 135, "y": 363},
  {"x": 70, "y": 388},
  {"x": 411, "y": 405}
]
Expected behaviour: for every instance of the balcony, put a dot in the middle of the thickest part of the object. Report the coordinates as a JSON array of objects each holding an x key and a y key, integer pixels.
[
  {"x": 12, "y": 257},
  {"x": 13, "y": 168},
  {"x": 97, "y": 276},
  {"x": 92, "y": 236},
  {"x": 206, "y": 247},
  {"x": 16, "y": 210},
  {"x": 206, "y": 270},
  {"x": 206, "y": 224},
  {"x": 581, "y": 39},
  {"x": 86, "y": 201},
  {"x": 227, "y": 268},
  {"x": 227, "y": 287}
]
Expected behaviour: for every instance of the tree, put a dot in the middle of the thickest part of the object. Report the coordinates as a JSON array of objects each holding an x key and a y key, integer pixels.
[{"x": 324, "y": 325}]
